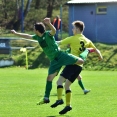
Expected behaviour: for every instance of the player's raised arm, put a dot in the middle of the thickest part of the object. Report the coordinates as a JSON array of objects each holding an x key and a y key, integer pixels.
[
  {"x": 99, "y": 54},
  {"x": 23, "y": 35},
  {"x": 53, "y": 29}
]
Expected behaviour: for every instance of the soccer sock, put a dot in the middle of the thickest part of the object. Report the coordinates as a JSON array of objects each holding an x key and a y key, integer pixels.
[
  {"x": 59, "y": 91},
  {"x": 81, "y": 84},
  {"x": 48, "y": 89},
  {"x": 68, "y": 97},
  {"x": 84, "y": 54}
]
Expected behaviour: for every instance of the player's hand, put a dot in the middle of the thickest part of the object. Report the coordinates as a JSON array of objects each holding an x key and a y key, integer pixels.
[
  {"x": 47, "y": 20},
  {"x": 100, "y": 58},
  {"x": 13, "y": 31}
]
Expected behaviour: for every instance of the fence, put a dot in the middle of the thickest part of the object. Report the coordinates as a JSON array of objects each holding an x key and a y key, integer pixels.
[{"x": 5, "y": 48}]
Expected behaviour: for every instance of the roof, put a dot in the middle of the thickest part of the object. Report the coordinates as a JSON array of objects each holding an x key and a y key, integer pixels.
[{"x": 90, "y": 1}]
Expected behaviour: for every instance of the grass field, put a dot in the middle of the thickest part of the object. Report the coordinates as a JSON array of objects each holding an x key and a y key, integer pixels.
[{"x": 20, "y": 89}]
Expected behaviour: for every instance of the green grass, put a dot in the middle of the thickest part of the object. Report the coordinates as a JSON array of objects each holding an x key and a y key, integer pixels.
[{"x": 20, "y": 89}]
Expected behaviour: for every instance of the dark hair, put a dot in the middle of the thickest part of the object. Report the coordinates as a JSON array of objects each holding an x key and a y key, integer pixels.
[
  {"x": 40, "y": 27},
  {"x": 79, "y": 24}
]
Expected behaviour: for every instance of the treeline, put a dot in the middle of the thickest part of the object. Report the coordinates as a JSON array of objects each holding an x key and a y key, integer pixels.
[{"x": 33, "y": 10}]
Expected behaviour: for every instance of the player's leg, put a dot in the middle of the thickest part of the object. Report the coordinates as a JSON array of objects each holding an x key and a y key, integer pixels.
[
  {"x": 52, "y": 72},
  {"x": 75, "y": 72},
  {"x": 65, "y": 74},
  {"x": 84, "y": 54},
  {"x": 59, "y": 100},
  {"x": 54, "y": 68},
  {"x": 48, "y": 89},
  {"x": 83, "y": 57},
  {"x": 68, "y": 97},
  {"x": 82, "y": 85}
]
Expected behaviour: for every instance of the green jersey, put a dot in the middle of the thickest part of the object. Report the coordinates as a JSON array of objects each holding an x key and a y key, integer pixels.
[{"x": 48, "y": 44}]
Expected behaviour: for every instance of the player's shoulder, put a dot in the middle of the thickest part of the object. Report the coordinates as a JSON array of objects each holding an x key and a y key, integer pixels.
[
  {"x": 48, "y": 33},
  {"x": 34, "y": 36},
  {"x": 87, "y": 39}
]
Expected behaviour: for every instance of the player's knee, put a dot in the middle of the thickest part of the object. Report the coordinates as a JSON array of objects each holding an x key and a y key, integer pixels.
[
  {"x": 67, "y": 87},
  {"x": 80, "y": 61},
  {"x": 79, "y": 77},
  {"x": 49, "y": 78},
  {"x": 59, "y": 82}
]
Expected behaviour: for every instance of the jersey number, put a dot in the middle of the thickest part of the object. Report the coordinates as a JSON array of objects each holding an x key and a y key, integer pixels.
[{"x": 82, "y": 46}]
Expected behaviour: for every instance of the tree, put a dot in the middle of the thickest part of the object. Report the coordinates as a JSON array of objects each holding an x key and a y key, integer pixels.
[
  {"x": 27, "y": 8},
  {"x": 15, "y": 22},
  {"x": 37, "y": 4},
  {"x": 50, "y": 8},
  {"x": 4, "y": 8}
]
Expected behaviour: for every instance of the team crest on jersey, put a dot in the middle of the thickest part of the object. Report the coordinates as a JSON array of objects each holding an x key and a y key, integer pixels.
[{"x": 43, "y": 38}]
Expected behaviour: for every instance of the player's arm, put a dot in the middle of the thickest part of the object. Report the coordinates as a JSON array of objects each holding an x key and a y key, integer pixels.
[
  {"x": 96, "y": 51},
  {"x": 53, "y": 29},
  {"x": 23, "y": 35},
  {"x": 65, "y": 41},
  {"x": 99, "y": 54}
]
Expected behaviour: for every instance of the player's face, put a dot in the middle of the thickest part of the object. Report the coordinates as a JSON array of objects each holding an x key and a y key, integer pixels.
[{"x": 35, "y": 30}]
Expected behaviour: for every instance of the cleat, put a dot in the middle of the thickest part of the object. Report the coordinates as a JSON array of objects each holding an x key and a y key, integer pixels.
[
  {"x": 58, "y": 102},
  {"x": 43, "y": 101},
  {"x": 86, "y": 91},
  {"x": 65, "y": 110}
]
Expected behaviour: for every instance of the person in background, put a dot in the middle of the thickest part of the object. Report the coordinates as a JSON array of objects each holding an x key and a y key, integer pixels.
[{"x": 57, "y": 25}]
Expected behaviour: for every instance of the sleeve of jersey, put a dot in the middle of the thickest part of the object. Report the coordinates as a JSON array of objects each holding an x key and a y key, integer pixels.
[
  {"x": 34, "y": 37},
  {"x": 91, "y": 45},
  {"x": 66, "y": 41},
  {"x": 49, "y": 34}
]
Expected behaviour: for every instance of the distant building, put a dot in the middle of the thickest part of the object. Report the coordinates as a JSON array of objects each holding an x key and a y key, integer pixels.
[{"x": 99, "y": 16}]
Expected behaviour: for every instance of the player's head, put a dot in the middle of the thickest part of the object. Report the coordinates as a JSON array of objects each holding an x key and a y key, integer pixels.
[
  {"x": 78, "y": 26},
  {"x": 39, "y": 27}
]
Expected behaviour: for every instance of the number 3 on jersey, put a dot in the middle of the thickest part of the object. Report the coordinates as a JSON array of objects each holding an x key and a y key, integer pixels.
[{"x": 82, "y": 48}]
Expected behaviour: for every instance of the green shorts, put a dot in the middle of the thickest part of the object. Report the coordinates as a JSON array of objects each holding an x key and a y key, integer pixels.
[{"x": 62, "y": 59}]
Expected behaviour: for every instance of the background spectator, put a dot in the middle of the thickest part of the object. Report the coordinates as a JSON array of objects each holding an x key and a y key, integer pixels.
[{"x": 57, "y": 25}]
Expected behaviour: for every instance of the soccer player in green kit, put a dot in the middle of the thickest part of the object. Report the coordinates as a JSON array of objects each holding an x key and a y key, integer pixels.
[
  {"x": 77, "y": 43},
  {"x": 57, "y": 57}
]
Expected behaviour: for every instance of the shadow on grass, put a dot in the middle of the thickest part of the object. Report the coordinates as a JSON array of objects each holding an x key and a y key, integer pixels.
[
  {"x": 59, "y": 116},
  {"x": 40, "y": 61},
  {"x": 51, "y": 95},
  {"x": 55, "y": 94}
]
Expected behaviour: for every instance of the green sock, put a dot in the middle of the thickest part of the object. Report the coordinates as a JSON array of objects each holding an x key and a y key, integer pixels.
[
  {"x": 81, "y": 84},
  {"x": 84, "y": 54},
  {"x": 48, "y": 89}
]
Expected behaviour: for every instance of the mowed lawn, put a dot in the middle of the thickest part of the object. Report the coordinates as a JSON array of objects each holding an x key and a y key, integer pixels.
[{"x": 21, "y": 89}]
